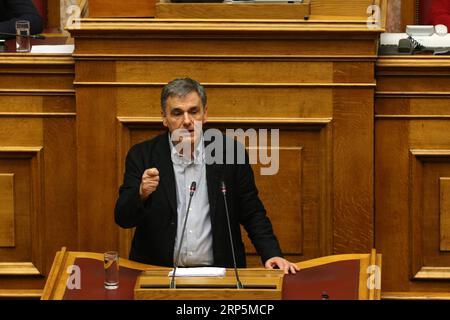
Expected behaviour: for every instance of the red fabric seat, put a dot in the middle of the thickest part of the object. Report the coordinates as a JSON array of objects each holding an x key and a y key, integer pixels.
[{"x": 424, "y": 11}]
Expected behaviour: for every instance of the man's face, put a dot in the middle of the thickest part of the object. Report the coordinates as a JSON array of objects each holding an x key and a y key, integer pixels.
[{"x": 183, "y": 115}]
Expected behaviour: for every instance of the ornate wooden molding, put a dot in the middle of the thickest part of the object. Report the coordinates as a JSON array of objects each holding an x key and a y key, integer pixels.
[{"x": 18, "y": 268}]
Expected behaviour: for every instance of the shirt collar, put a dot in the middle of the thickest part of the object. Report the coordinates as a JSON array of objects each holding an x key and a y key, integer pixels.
[{"x": 199, "y": 153}]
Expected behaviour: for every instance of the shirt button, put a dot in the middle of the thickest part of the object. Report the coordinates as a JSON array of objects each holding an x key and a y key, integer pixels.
[
  {"x": 190, "y": 253},
  {"x": 190, "y": 231}
]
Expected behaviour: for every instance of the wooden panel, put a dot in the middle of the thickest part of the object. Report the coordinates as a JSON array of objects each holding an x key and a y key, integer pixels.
[
  {"x": 53, "y": 14},
  {"x": 392, "y": 196},
  {"x": 7, "y": 210},
  {"x": 444, "y": 200},
  {"x": 428, "y": 167},
  {"x": 31, "y": 132},
  {"x": 413, "y": 107},
  {"x": 51, "y": 105},
  {"x": 59, "y": 135},
  {"x": 411, "y": 158},
  {"x": 35, "y": 73},
  {"x": 353, "y": 189},
  {"x": 18, "y": 268},
  {"x": 96, "y": 152},
  {"x": 228, "y": 71},
  {"x": 130, "y": 8},
  {"x": 409, "y": 15},
  {"x": 267, "y": 11},
  {"x": 25, "y": 164},
  {"x": 37, "y": 145},
  {"x": 36, "y": 82},
  {"x": 405, "y": 84},
  {"x": 281, "y": 206},
  {"x": 340, "y": 8},
  {"x": 243, "y": 102},
  {"x": 248, "y": 46}
]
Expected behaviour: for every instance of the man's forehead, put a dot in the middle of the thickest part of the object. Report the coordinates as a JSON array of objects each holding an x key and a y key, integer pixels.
[{"x": 189, "y": 101}]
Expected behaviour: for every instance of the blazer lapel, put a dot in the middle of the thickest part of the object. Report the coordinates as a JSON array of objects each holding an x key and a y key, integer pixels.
[
  {"x": 166, "y": 175},
  {"x": 214, "y": 174}
]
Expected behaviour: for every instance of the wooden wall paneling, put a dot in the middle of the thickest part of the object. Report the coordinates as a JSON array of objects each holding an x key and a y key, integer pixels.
[
  {"x": 53, "y": 14},
  {"x": 231, "y": 103},
  {"x": 338, "y": 8},
  {"x": 131, "y": 8},
  {"x": 353, "y": 170},
  {"x": 216, "y": 47},
  {"x": 37, "y": 146},
  {"x": 25, "y": 257},
  {"x": 7, "y": 238},
  {"x": 298, "y": 216},
  {"x": 309, "y": 95},
  {"x": 267, "y": 11},
  {"x": 96, "y": 168},
  {"x": 60, "y": 198},
  {"x": 391, "y": 207},
  {"x": 416, "y": 232},
  {"x": 429, "y": 260},
  {"x": 352, "y": 155},
  {"x": 412, "y": 158},
  {"x": 409, "y": 15},
  {"x": 444, "y": 214}
]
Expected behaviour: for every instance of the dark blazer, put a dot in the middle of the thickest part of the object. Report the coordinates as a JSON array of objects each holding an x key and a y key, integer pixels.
[
  {"x": 13, "y": 10},
  {"x": 156, "y": 218}
]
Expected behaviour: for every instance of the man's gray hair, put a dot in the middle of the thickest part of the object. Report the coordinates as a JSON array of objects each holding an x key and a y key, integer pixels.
[{"x": 181, "y": 87}]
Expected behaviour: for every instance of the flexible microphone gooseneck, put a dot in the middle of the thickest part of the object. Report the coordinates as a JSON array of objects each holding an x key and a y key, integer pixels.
[
  {"x": 224, "y": 192},
  {"x": 37, "y": 36},
  {"x": 177, "y": 260}
]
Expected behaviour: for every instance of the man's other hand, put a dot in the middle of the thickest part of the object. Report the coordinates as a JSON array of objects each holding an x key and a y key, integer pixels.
[{"x": 281, "y": 263}]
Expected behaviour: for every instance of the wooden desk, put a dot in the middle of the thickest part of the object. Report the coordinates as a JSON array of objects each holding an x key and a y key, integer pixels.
[{"x": 340, "y": 277}]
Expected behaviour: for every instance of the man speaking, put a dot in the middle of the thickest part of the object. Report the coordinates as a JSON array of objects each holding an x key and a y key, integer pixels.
[{"x": 173, "y": 196}]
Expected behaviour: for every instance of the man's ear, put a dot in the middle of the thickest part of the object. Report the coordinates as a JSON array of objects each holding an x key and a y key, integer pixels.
[
  {"x": 205, "y": 115},
  {"x": 164, "y": 119}
]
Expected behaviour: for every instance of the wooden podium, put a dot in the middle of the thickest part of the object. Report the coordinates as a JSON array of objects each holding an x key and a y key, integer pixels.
[
  {"x": 341, "y": 277},
  {"x": 259, "y": 284}
]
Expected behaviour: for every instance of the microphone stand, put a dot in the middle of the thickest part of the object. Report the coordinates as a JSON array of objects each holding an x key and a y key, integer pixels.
[
  {"x": 191, "y": 190},
  {"x": 37, "y": 36},
  {"x": 224, "y": 192}
]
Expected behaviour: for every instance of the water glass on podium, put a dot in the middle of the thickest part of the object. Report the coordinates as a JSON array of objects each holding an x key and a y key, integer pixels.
[
  {"x": 23, "y": 41},
  {"x": 111, "y": 264}
]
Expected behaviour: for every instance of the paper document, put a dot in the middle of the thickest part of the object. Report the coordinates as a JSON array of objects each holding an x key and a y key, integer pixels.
[
  {"x": 199, "y": 272},
  {"x": 65, "y": 48}
]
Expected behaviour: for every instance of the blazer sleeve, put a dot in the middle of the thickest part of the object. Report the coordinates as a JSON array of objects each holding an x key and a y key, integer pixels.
[
  {"x": 130, "y": 209},
  {"x": 21, "y": 10},
  {"x": 440, "y": 12},
  {"x": 253, "y": 214}
]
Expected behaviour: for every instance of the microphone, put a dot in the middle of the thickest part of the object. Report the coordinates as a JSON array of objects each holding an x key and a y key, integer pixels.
[
  {"x": 177, "y": 260},
  {"x": 31, "y": 36},
  {"x": 224, "y": 192}
]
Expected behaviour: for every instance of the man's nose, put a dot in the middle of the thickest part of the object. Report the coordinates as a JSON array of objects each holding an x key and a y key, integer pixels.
[{"x": 187, "y": 120}]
